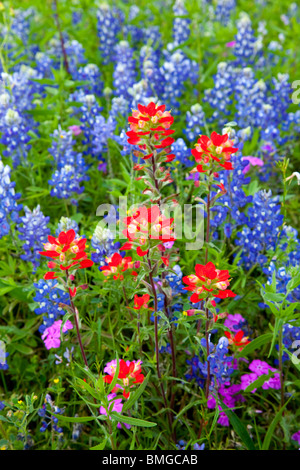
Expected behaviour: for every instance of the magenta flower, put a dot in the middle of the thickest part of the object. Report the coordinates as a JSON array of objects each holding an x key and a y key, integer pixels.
[
  {"x": 260, "y": 367},
  {"x": 248, "y": 379},
  {"x": 233, "y": 322},
  {"x": 254, "y": 161},
  {"x": 51, "y": 335},
  {"x": 296, "y": 437},
  {"x": 76, "y": 130},
  {"x": 230, "y": 44},
  {"x": 117, "y": 407}
]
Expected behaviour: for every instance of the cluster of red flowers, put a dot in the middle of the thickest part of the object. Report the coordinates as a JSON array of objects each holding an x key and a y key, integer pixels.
[
  {"x": 152, "y": 121},
  {"x": 130, "y": 373},
  {"x": 117, "y": 265},
  {"x": 208, "y": 282},
  {"x": 239, "y": 339},
  {"x": 67, "y": 252},
  {"x": 213, "y": 153},
  {"x": 141, "y": 302},
  {"x": 144, "y": 225}
]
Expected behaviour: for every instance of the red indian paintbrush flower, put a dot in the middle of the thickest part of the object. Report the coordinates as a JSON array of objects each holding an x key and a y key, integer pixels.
[
  {"x": 116, "y": 266},
  {"x": 213, "y": 153},
  {"x": 144, "y": 225},
  {"x": 239, "y": 339},
  {"x": 208, "y": 282},
  {"x": 141, "y": 302},
  {"x": 150, "y": 121},
  {"x": 129, "y": 375},
  {"x": 67, "y": 253}
]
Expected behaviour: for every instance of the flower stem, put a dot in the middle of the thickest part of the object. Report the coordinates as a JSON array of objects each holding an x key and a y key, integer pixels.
[
  {"x": 66, "y": 63},
  {"x": 76, "y": 319}
]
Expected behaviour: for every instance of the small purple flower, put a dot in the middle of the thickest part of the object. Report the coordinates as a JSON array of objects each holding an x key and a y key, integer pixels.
[
  {"x": 260, "y": 367},
  {"x": 76, "y": 130},
  {"x": 296, "y": 437},
  {"x": 233, "y": 322},
  {"x": 253, "y": 161},
  {"x": 248, "y": 379}
]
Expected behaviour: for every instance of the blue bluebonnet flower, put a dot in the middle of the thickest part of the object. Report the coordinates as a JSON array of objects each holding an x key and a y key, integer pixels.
[
  {"x": 87, "y": 114},
  {"x": 235, "y": 198},
  {"x": 70, "y": 167},
  {"x": 103, "y": 242},
  {"x": 290, "y": 340},
  {"x": 9, "y": 208},
  {"x": 48, "y": 412},
  {"x": 181, "y": 25},
  {"x": 44, "y": 63},
  {"x": 73, "y": 49},
  {"x": 33, "y": 231},
  {"x": 76, "y": 430},
  {"x": 90, "y": 73},
  {"x": 250, "y": 94},
  {"x": 195, "y": 122},
  {"x": 221, "y": 365},
  {"x": 103, "y": 129},
  {"x": 223, "y": 10},
  {"x": 151, "y": 85},
  {"x": 246, "y": 45},
  {"x": 119, "y": 107},
  {"x": 176, "y": 70},
  {"x": 66, "y": 224},
  {"x": 262, "y": 229},
  {"x": 152, "y": 37},
  {"x": 19, "y": 26},
  {"x": 221, "y": 96},
  {"x": 76, "y": 17},
  {"x": 182, "y": 445},
  {"x": 127, "y": 149},
  {"x": 182, "y": 152},
  {"x": 49, "y": 295},
  {"x": 2, "y": 405},
  {"x": 135, "y": 33},
  {"x": 124, "y": 74},
  {"x": 16, "y": 98},
  {"x": 109, "y": 22}
]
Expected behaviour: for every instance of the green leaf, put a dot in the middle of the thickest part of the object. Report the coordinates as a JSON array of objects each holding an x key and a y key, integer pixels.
[
  {"x": 100, "y": 446},
  {"x": 238, "y": 427},
  {"x": 255, "y": 344},
  {"x": 136, "y": 395},
  {"x": 23, "y": 349},
  {"x": 133, "y": 421},
  {"x": 116, "y": 376},
  {"x": 259, "y": 382},
  {"x": 273, "y": 297},
  {"x": 271, "y": 429},
  {"x": 78, "y": 419}
]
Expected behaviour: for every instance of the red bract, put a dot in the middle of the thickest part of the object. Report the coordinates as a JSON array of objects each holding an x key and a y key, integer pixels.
[
  {"x": 150, "y": 122},
  {"x": 208, "y": 282},
  {"x": 213, "y": 153},
  {"x": 149, "y": 223},
  {"x": 141, "y": 302},
  {"x": 67, "y": 252},
  {"x": 238, "y": 339},
  {"x": 129, "y": 375},
  {"x": 116, "y": 266}
]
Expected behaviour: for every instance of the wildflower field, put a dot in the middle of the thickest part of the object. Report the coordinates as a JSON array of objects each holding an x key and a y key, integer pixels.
[{"x": 149, "y": 201}]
